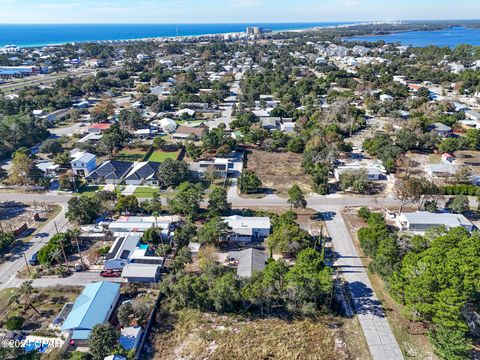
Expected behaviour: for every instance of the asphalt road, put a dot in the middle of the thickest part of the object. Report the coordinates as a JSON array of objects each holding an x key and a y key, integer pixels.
[
  {"x": 8, "y": 270},
  {"x": 379, "y": 336}
]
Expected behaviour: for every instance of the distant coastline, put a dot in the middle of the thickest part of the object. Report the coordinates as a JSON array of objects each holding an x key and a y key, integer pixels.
[{"x": 27, "y": 36}]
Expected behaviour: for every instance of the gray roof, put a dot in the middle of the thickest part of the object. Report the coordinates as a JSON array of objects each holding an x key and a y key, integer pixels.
[
  {"x": 427, "y": 218},
  {"x": 140, "y": 271},
  {"x": 123, "y": 247},
  {"x": 441, "y": 127},
  {"x": 249, "y": 260}
]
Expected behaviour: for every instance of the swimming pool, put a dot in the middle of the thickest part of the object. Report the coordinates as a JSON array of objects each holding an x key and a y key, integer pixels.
[{"x": 35, "y": 345}]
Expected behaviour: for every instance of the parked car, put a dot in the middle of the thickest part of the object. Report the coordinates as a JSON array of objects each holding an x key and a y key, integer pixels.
[
  {"x": 110, "y": 273},
  {"x": 33, "y": 260}
]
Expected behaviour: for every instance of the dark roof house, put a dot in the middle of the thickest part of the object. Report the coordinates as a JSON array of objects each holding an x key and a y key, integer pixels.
[{"x": 111, "y": 171}]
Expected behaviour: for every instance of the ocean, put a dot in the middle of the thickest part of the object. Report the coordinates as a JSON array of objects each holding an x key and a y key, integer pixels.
[
  {"x": 451, "y": 37},
  {"x": 43, "y": 34}
]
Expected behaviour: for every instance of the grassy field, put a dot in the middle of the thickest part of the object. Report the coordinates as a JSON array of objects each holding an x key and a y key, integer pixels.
[
  {"x": 145, "y": 192},
  {"x": 279, "y": 171},
  {"x": 131, "y": 155},
  {"x": 159, "y": 156},
  {"x": 191, "y": 334}
]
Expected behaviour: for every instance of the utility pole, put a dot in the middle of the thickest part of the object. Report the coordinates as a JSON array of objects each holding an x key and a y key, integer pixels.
[
  {"x": 64, "y": 254},
  {"x": 79, "y": 252},
  {"x": 26, "y": 263},
  {"x": 56, "y": 228}
]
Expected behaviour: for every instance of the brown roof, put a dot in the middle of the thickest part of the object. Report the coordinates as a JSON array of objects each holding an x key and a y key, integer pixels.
[{"x": 190, "y": 130}]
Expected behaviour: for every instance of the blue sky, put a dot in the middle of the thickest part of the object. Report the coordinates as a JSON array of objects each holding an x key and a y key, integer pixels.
[{"x": 222, "y": 11}]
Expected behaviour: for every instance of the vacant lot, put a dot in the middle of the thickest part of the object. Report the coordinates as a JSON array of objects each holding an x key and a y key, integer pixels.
[
  {"x": 279, "y": 171},
  {"x": 159, "y": 156},
  {"x": 191, "y": 335},
  {"x": 130, "y": 155},
  {"x": 48, "y": 302}
]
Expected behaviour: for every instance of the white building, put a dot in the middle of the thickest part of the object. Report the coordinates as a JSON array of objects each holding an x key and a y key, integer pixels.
[
  {"x": 373, "y": 173},
  {"x": 83, "y": 163},
  {"x": 421, "y": 221},
  {"x": 247, "y": 228}
]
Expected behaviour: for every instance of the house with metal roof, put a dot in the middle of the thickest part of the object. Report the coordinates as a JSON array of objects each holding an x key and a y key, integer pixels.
[
  {"x": 110, "y": 172},
  {"x": 246, "y": 229},
  {"x": 421, "y": 221},
  {"x": 248, "y": 261},
  {"x": 93, "y": 306},
  {"x": 141, "y": 273}
]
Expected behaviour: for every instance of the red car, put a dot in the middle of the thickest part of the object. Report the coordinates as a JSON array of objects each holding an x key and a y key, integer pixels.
[{"x": 110, "y": 273}]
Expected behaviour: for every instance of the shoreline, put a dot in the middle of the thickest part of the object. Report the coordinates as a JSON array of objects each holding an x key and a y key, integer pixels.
[{"x": 182, "y": 37}]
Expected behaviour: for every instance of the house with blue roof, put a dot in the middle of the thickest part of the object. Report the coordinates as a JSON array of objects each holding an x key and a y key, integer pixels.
[{"x": 93, "y": 306}]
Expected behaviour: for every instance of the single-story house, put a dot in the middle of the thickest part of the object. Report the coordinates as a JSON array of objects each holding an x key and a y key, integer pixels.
[
  {"x": 47, "y": 167},
  {"x": 142, "y": 273},
  {"x": 440, "y": 129},
  {"x": 386, "y": 97},
  {"x": 142, "y": 133},
  {"x": 138, "y": 224},
  {"x": 93, "y": 306},
  {"x": 144, "y": 172},
  {"x": 167, "y": 125},
  {"x": 246, "y": 229},
  {"x": 441, "y": 170},
  {"x": 83, "y": 163},
  {"x": 472, "y": 115},
  {"x": 98, "y": 128},
  {"x": 110, "y": 172},
  {"x": 130, "y": 337},
  {"x": 220, "y": 165},
  {"x": 373, "y": 173},
  {"x": 448, "y": 158},
  {"x": 420, "y": 221},
  {"x": 270, "y": 123},
  {"x": 56, "y": 115},
  {"x": 287, "y": 126},
  {"x": 185, "y": 132},
  {"x": 187, "y": 111},
  {"x": 248, "y": 261}
]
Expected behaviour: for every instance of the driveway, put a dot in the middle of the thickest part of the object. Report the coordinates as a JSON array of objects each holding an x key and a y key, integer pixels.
[
  {"x": 378, "y": 334},
  {"x": 129, "y": 189}
]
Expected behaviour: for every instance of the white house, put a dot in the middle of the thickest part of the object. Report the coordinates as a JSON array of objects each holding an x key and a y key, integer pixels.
[
  {"x": 373, "y": 173},
  {"x": 246, "y": 229},
  {"x": 386, "y": 97},
  {"x": 221, "y": 167},
  {"x": 167, "y": 125},
  {"x": 189, "y": 112},
  {"x": 444, "y": 170},
  {"x": 83, "y": 163},
  {"x": 421, "y": 221}
]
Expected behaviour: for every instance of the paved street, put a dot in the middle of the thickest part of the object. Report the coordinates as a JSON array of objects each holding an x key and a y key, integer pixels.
[
  {"x": 379, "y": 336},
  {"x": 227, "y": 110},
  {"x": 8, "y": 270},
  {"x": 76, "y": 279}
]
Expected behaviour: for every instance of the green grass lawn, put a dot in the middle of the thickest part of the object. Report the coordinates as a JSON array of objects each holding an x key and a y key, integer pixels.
[
  {"x": 145, "y": 192},
  {"x": 89, "y": 189},
  {"x": 131, "y": 155},
  {"x": 159, "y": 156}
]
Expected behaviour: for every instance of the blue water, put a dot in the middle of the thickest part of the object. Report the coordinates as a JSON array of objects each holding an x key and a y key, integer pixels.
[
  {"x": 451, "y": 37},
  {"x": 143, "y": 246},
  {"x": 44, "y": 34}
]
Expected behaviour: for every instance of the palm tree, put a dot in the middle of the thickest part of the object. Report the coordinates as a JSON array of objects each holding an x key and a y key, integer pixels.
[
  {"x": 56, "y": 256},
  {"x": 22, "y": 296}
]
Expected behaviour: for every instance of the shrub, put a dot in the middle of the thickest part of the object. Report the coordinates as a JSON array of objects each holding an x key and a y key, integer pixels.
[{"x": 14, "y": 323}]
